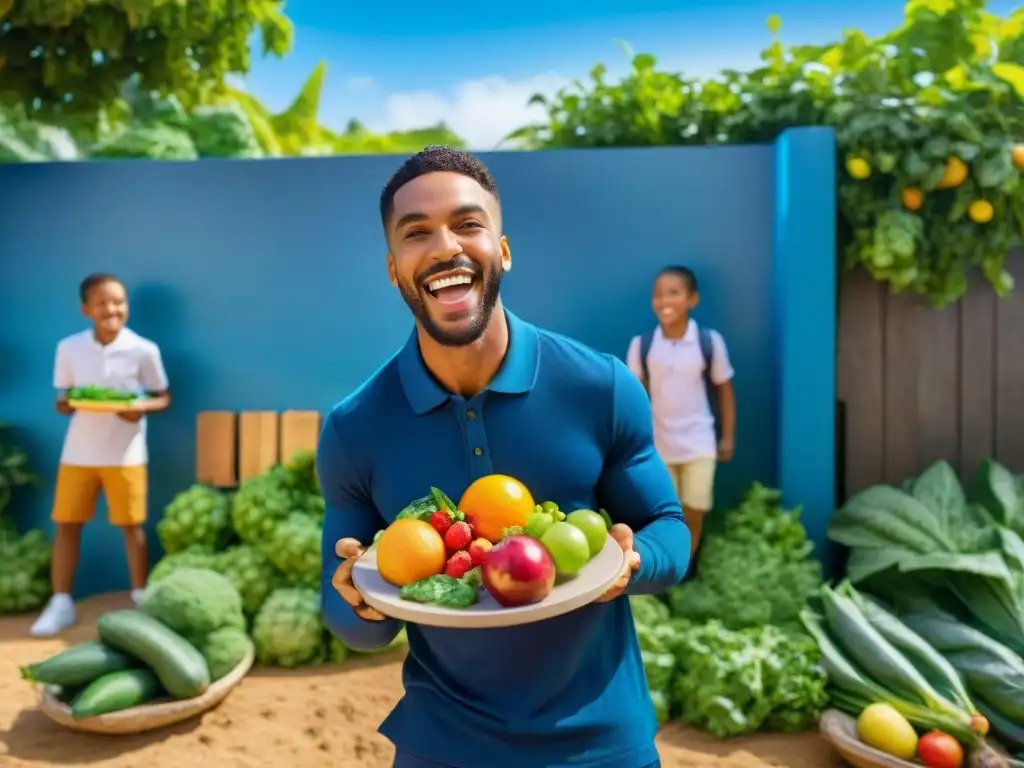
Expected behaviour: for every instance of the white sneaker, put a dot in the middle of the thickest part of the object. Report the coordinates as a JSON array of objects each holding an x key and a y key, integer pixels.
[
  {"x": 58, "y": 615},
  {"x": 137, "y": 595}
]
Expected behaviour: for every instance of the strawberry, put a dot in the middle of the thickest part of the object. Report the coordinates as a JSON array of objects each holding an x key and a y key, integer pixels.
[
  {"x": 478, "y": 550},
  {"x": 441, "y": 521},
  {"x": 472, "y": 524},
  {"x": 458, "y": 536},
  {"x": 458, "y": 565}
]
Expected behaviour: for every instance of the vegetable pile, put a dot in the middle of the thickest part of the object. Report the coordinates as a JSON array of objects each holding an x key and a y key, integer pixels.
[
  {"x": 24, "y": 559},
  {"x": 97, "y": 393},
  {"x": 942, "y": 640},
  {"x": 188, "y": 632},
  {"x": 263, "y": 540},
  {"x": 758, "y": 572},
  {"x": 726, "y": 652},
  {"x": 496, "y": 539}
]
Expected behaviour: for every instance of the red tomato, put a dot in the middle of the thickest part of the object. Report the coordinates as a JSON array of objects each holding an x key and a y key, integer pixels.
[{"x": 940, "y": 750}]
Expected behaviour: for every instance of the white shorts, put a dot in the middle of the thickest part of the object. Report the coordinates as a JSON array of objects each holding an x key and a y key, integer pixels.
[{"x": 695, "y": 483}]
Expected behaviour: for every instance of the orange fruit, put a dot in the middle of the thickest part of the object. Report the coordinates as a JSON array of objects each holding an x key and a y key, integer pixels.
[
  {"x": 912, "y": 198},
  {"x": 1017, "y": 156},
  {"x": 496, "y": 502},
  {"x": 954, "y": 175},
  {"x": 410, "y": 550}
]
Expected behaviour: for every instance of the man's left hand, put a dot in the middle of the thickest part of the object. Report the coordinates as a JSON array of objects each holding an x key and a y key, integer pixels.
[
  {"x": 130, "y": 416},
  {"x": 622, "y": 534}
]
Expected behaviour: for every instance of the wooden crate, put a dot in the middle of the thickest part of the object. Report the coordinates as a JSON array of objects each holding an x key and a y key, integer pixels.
[{"x": 232, "y": 447}]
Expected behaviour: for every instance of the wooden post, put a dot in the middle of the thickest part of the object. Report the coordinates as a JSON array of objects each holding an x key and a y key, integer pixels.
[
  {"x": 216, "y": 448},
  {"x": 257, "y": 443},
  {"x": 300, "y": 431}
]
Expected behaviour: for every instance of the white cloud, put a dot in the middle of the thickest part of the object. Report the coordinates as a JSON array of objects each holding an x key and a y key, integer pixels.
[{"x": 481, "y": 111}]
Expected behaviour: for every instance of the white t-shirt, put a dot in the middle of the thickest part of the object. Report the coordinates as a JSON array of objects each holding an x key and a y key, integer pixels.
[
  {"x": 131, "y": 363},
  {"x": 684, "y": 427}
]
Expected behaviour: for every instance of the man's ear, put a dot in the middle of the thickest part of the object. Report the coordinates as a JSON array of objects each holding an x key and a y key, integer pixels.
[
  {"x": 392, "y": 274},
  {"x": 506, "y": 254}
]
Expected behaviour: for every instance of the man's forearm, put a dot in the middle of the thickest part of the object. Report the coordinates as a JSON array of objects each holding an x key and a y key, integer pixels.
[
  {"x": 664, "y": 549},
  {"x": 354, "y": 632}
]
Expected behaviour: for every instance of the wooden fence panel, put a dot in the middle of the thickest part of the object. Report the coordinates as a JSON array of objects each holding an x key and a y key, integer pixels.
[
  {"x": 233, "y": 447},
  {"x": 920, "y": 384}
]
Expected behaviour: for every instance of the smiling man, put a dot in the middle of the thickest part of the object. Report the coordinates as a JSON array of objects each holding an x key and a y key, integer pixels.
[{"x": 475, "y": 391}]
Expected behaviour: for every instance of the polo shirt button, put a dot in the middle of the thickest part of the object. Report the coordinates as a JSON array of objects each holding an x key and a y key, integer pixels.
[
  {"x": 478, "y": 451},
  {"x": 470, "y": 414}
]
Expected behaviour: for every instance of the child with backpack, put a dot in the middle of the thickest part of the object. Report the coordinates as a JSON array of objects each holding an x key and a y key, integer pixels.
[{"x": 687, "y": 374}]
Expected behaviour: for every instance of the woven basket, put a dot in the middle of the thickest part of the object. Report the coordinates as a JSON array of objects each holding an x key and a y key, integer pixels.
[
  {"x": 840, "y": 730},
  {"x": 148, "y": 716}
]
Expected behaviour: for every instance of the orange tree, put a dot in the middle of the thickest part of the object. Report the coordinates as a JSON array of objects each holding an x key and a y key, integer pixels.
[{"x": 929, "y": 121}]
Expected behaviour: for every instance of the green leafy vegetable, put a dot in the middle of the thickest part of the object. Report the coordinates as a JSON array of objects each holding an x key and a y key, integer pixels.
[
  {"x": 757, "y": 572},
  {"x": 928, "y": 538},
  {"x": 445, "y": 590},
  {"x": 737, "y": 682}
]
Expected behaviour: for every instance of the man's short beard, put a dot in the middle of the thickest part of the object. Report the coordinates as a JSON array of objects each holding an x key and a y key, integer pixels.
[{"x": 491, "y": 290}]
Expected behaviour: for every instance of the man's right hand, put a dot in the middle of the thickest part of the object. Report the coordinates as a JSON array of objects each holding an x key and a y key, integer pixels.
[
  {"x": 64, "y": 408},
  {"x": 350, "y": 550}
]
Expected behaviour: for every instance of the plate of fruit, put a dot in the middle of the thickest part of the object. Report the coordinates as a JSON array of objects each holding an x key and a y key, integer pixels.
[{"x": 495, "y": 559}]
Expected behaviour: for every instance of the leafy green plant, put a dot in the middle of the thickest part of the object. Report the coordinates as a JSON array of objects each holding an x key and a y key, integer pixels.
[
  {"x": 929, "y": 121},
  {"x": 14, "y": 468}
]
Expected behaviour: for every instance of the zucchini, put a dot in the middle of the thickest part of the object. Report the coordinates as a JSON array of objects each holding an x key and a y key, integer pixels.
[
  {"x": 78, "y": 665},
  {"x": 932, "y": 664},
  {"x": 178, "y": 665},
  {"x": 116, "y": 691}
]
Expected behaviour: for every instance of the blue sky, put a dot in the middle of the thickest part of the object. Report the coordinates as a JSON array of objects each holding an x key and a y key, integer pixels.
[{"x": 402, "y": 64}]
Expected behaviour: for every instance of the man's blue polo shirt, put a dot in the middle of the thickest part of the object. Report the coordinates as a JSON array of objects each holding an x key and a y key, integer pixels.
[{"x": 574, "y": 425}]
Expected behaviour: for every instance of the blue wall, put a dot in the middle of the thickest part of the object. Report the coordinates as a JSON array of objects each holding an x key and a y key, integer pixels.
[{"x": 264, "y": 282}]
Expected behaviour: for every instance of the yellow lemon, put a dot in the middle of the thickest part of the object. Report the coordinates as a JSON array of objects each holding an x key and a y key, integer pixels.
[
  {"x": 981, "y": 211},
  {"x": 858, "y": 167},
  {"x": 882, "y": 727}
]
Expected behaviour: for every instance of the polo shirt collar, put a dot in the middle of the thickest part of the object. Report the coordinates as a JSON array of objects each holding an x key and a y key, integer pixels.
[
  {"x": 516, "y": 376},
  {"x": 689, "y": 335}
]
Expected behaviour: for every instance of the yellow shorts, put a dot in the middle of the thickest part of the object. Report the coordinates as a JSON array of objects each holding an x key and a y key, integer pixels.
[
  {"x": 695, "y": 483},
  {"x": 78, "y": 490}
]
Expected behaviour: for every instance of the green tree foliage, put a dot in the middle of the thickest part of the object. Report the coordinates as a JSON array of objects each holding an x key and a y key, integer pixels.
[
  {"x": 73, "y": 56},
  {"x": 227, "y": 123},
  {"x": 929, "y": 121}
]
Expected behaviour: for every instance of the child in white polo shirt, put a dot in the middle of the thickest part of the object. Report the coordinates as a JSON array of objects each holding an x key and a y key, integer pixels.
[
  {"x": 687, "y": 373},
  {"x": 102, "y": 451}
]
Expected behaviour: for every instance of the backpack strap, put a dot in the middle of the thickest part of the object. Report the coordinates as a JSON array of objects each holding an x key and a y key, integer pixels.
[
  {"x": 645, "y": 347},
  {"x": 707, "y": 351}
]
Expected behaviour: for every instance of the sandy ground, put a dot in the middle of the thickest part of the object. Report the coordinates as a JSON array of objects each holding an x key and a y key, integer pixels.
[{"x": 305, "y": 718}]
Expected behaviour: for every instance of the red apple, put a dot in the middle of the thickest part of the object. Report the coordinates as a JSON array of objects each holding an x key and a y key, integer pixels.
[{"x": 519, "y": 571}]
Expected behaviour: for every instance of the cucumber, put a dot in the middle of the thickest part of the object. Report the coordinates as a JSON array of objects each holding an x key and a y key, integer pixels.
[
  {"x": 78, "y": 665},
  {"x": 116, "y": 691},
  {"x": 178, "y": 665}
]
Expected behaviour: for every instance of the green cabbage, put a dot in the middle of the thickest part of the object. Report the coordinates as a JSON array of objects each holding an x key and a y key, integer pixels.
[
  {"x": 288, "y": 630},
  {"x": 200, "y": 515}
]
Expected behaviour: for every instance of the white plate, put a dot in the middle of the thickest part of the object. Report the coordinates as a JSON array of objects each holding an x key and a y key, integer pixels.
[{"x": 571, "y": 593}]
